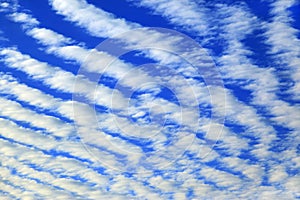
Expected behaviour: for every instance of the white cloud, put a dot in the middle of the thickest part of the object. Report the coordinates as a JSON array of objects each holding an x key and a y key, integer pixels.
[
  {"x": 277, "y": 174},
  {"x": 97, "y": 21},
  {"x": 48, "y": 37},
  {"x": 53, "y": 125},
  {"x": 283, "y": 41},
  {"x": 4, "y": 4},
  {"x": 241, "y": 27},
  {"x": 184, "y": 13},
  {"x": 292, "y": 185},
  {"x": 181, "y": 174},
  {"x": 24, "y": 18}
]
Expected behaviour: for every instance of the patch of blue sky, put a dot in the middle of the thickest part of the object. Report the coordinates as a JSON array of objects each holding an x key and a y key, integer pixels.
[
  {"x": 107, "y": 80},
  {"x": 221, "y": 149},
  {"x": 216, "y": 164},
  {"x": 247, "y": 155},
  {"x": 240, "y": 92},
  {"x": 292, "y": 170},
  {"x": 286, "y": 83},
  {"x": 136, "y": 58},
  {"x": 255, "y": 43},
  {"x": 295, "y": 12}
]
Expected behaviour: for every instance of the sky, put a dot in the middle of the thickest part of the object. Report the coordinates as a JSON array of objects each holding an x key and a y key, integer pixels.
[{"x": 150, "y": 99}]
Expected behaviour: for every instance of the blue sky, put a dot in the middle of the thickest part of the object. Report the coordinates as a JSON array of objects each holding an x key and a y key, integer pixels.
[{"x": 149, "y": 99}]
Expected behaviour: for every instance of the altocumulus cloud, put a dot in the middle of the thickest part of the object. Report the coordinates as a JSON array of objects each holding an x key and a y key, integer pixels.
[{"x": 174, "y": 99}]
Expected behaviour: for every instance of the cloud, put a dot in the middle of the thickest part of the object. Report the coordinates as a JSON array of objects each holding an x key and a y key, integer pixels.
[
  {"x": 284, "y": 42},
  {"x": 53, "y": 125},
  {"x": 183, "y": 13},
  {"x": 98, "y": 22},
  {"x": 125, "y": 156},
  {"x": 52, "y": 38},
  {"x": 24, "y": 17}
]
